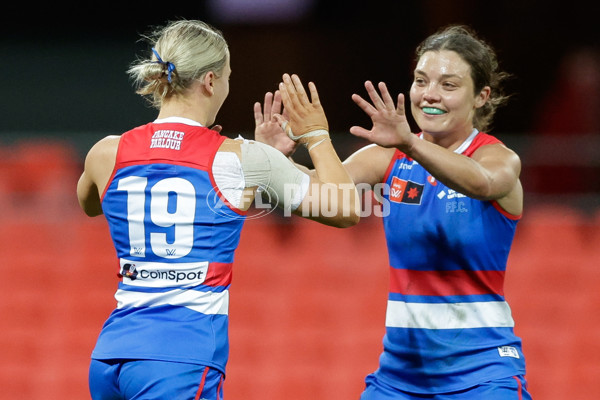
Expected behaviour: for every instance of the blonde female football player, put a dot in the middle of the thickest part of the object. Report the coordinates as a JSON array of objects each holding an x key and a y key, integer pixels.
[{"x": 175, "y": 194}]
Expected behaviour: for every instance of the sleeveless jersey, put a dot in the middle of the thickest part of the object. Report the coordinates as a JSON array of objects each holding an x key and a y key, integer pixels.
[
  {"x": 175, "y": 240},
  {"x": 448, "y": 326}
]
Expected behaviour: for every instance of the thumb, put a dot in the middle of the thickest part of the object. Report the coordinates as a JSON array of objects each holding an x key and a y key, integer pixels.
[
  {"x": 217, "y": 128},
  {"x": 281, "y": 120},
  {"x": 360, "y": 132},
  {"x": 285, "y": 126}
]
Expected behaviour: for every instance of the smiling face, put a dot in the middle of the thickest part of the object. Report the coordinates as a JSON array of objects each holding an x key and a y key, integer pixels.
[{"x": 442, "y": 95}]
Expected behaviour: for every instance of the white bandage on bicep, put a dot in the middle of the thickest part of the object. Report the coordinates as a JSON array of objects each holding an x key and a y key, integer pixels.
[
  {"x": 271, "y": 171},
  {"x": 228, "y": 175}
]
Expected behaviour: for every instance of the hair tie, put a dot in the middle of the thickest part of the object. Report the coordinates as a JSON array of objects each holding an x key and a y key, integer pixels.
[{"x": 170, "y": 65}]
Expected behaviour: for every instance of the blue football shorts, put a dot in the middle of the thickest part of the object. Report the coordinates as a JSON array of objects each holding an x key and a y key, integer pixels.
[
  {"x": 153, "y": 380},
  {"x": 512, "y": 388}
]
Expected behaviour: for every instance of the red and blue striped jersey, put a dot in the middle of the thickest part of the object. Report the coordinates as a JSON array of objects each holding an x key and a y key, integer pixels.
[
  {"x": 175, "y": 240},
  {"x": 448, "y": 326}
]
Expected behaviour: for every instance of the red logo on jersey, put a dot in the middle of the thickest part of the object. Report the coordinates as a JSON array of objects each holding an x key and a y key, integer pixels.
[{"x": 402, "y": 191}]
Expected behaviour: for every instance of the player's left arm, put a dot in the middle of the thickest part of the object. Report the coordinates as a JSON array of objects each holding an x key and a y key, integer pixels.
[
  {"x": 501, "y": 168},
  {"x": 88, "y": 196},
  {"x": 491, "y": 173},
  {"x": 98, "y": 167}
]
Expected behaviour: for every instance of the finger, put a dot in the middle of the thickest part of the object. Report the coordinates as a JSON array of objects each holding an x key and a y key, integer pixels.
[
  {"x": 360, "y": 132},
  {"x": 279, "y": 119},
  {"x": 268, "y": 104},
  {"x": 258, "y": 115},
  {"x": 364, "y": 105},
  {"x": 400, "y": 107},
  {"x": 217, "y": 128},
  {"x": 288, "y": 92},
  {"x": 385, "y": 94},
  {"x": 302, "y": 96},
  {"x": 283, "y": 122},
  {"x": 285, "y": 95},
  {"x": 276, "y": 109},
  {"x": 314, "y": 94},
  {"x": 374, "y": 96}
]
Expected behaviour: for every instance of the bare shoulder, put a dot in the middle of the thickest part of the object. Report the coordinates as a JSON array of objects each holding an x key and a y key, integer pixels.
[
  {"x": 369, "y": 164},
  {"x": 101, "y": 159},
  {"x": 104, "y": 150},
  {"x": 99, "y": 164},
  {"x": 504, "y": 166},
  {"x": 498, "y": 153}
]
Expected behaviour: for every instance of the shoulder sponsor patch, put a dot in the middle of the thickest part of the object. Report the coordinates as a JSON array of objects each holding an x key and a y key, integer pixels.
[{"x": 408, "y": 192}]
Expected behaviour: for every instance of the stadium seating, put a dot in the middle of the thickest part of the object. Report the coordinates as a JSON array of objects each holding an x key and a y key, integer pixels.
[{"x": 307, "y": 301}]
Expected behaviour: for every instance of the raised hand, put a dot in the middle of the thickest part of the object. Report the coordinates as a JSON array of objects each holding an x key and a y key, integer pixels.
[
  {"x": 390, "y": 126},
  {"x": 306, "y": 116},
  {"x": 267, "y": 129}
]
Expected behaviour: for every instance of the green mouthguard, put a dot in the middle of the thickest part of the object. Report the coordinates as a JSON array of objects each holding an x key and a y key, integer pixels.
[{"x": 432, "y": 110}]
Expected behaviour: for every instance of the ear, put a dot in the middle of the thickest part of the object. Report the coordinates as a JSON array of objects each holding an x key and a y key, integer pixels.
[
  {"x": 208, "y": 83},
  {"x": 483, "y": 96}
]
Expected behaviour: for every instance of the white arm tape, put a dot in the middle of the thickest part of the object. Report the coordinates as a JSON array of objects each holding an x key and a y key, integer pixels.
[
  {"x": 267, "y": 168},
  {"x": 227, "y": 172}
]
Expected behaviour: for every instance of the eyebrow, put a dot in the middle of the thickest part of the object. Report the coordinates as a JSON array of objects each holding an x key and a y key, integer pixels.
[{"x": 444, "y": 76}]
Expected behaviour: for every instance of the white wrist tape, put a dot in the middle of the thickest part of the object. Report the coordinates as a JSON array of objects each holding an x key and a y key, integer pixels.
[
  {"x": 312, "y": 146},
  {"x": 288, "y": 131}
]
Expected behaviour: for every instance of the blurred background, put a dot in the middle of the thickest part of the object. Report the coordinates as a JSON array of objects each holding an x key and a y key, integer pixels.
[{"x": 306, "y": 321}]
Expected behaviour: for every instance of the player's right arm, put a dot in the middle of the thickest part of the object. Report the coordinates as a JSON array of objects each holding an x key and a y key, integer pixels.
[
  {"x": 99, "y": 164},
  {"x": 306, "y": 123},
  {"x": 369, "y": 164},
  {"x": 328, "y": 193}
]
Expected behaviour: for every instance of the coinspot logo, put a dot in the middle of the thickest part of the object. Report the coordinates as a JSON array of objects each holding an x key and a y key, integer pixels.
[{"x": 263, "y": 202}]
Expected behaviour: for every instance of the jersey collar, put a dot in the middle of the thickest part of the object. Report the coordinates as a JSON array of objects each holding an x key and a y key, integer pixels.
[
  {"x": 178, "y": 120},
  {"x": 465, "y": 145}
]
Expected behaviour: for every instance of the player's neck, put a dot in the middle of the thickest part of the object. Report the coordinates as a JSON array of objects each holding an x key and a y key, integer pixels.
[{"x": 184, "y": 109}]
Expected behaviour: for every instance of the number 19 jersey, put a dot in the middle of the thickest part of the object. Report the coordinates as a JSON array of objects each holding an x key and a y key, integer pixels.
[{"x": 175, "y": 238}]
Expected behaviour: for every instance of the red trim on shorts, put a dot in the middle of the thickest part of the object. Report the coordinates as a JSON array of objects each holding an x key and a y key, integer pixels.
[
  {"x": 219, "y": 388},
  {"x": 201, "y": 386},
  {"x": 519, "y": 390}
]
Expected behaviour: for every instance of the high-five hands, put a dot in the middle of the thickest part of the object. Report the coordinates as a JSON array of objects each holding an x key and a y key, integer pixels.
[
  {"x": 307, "y": 123},
  {"x": 390, "y": 126},
  {"x": 303, "y": 120},
  {"x": 267, "y": 129}
]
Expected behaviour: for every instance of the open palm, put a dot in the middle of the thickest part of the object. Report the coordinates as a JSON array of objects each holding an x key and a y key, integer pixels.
[
  {"x": 390, "y": 126},
  {"x": 267, "y": 129}
]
